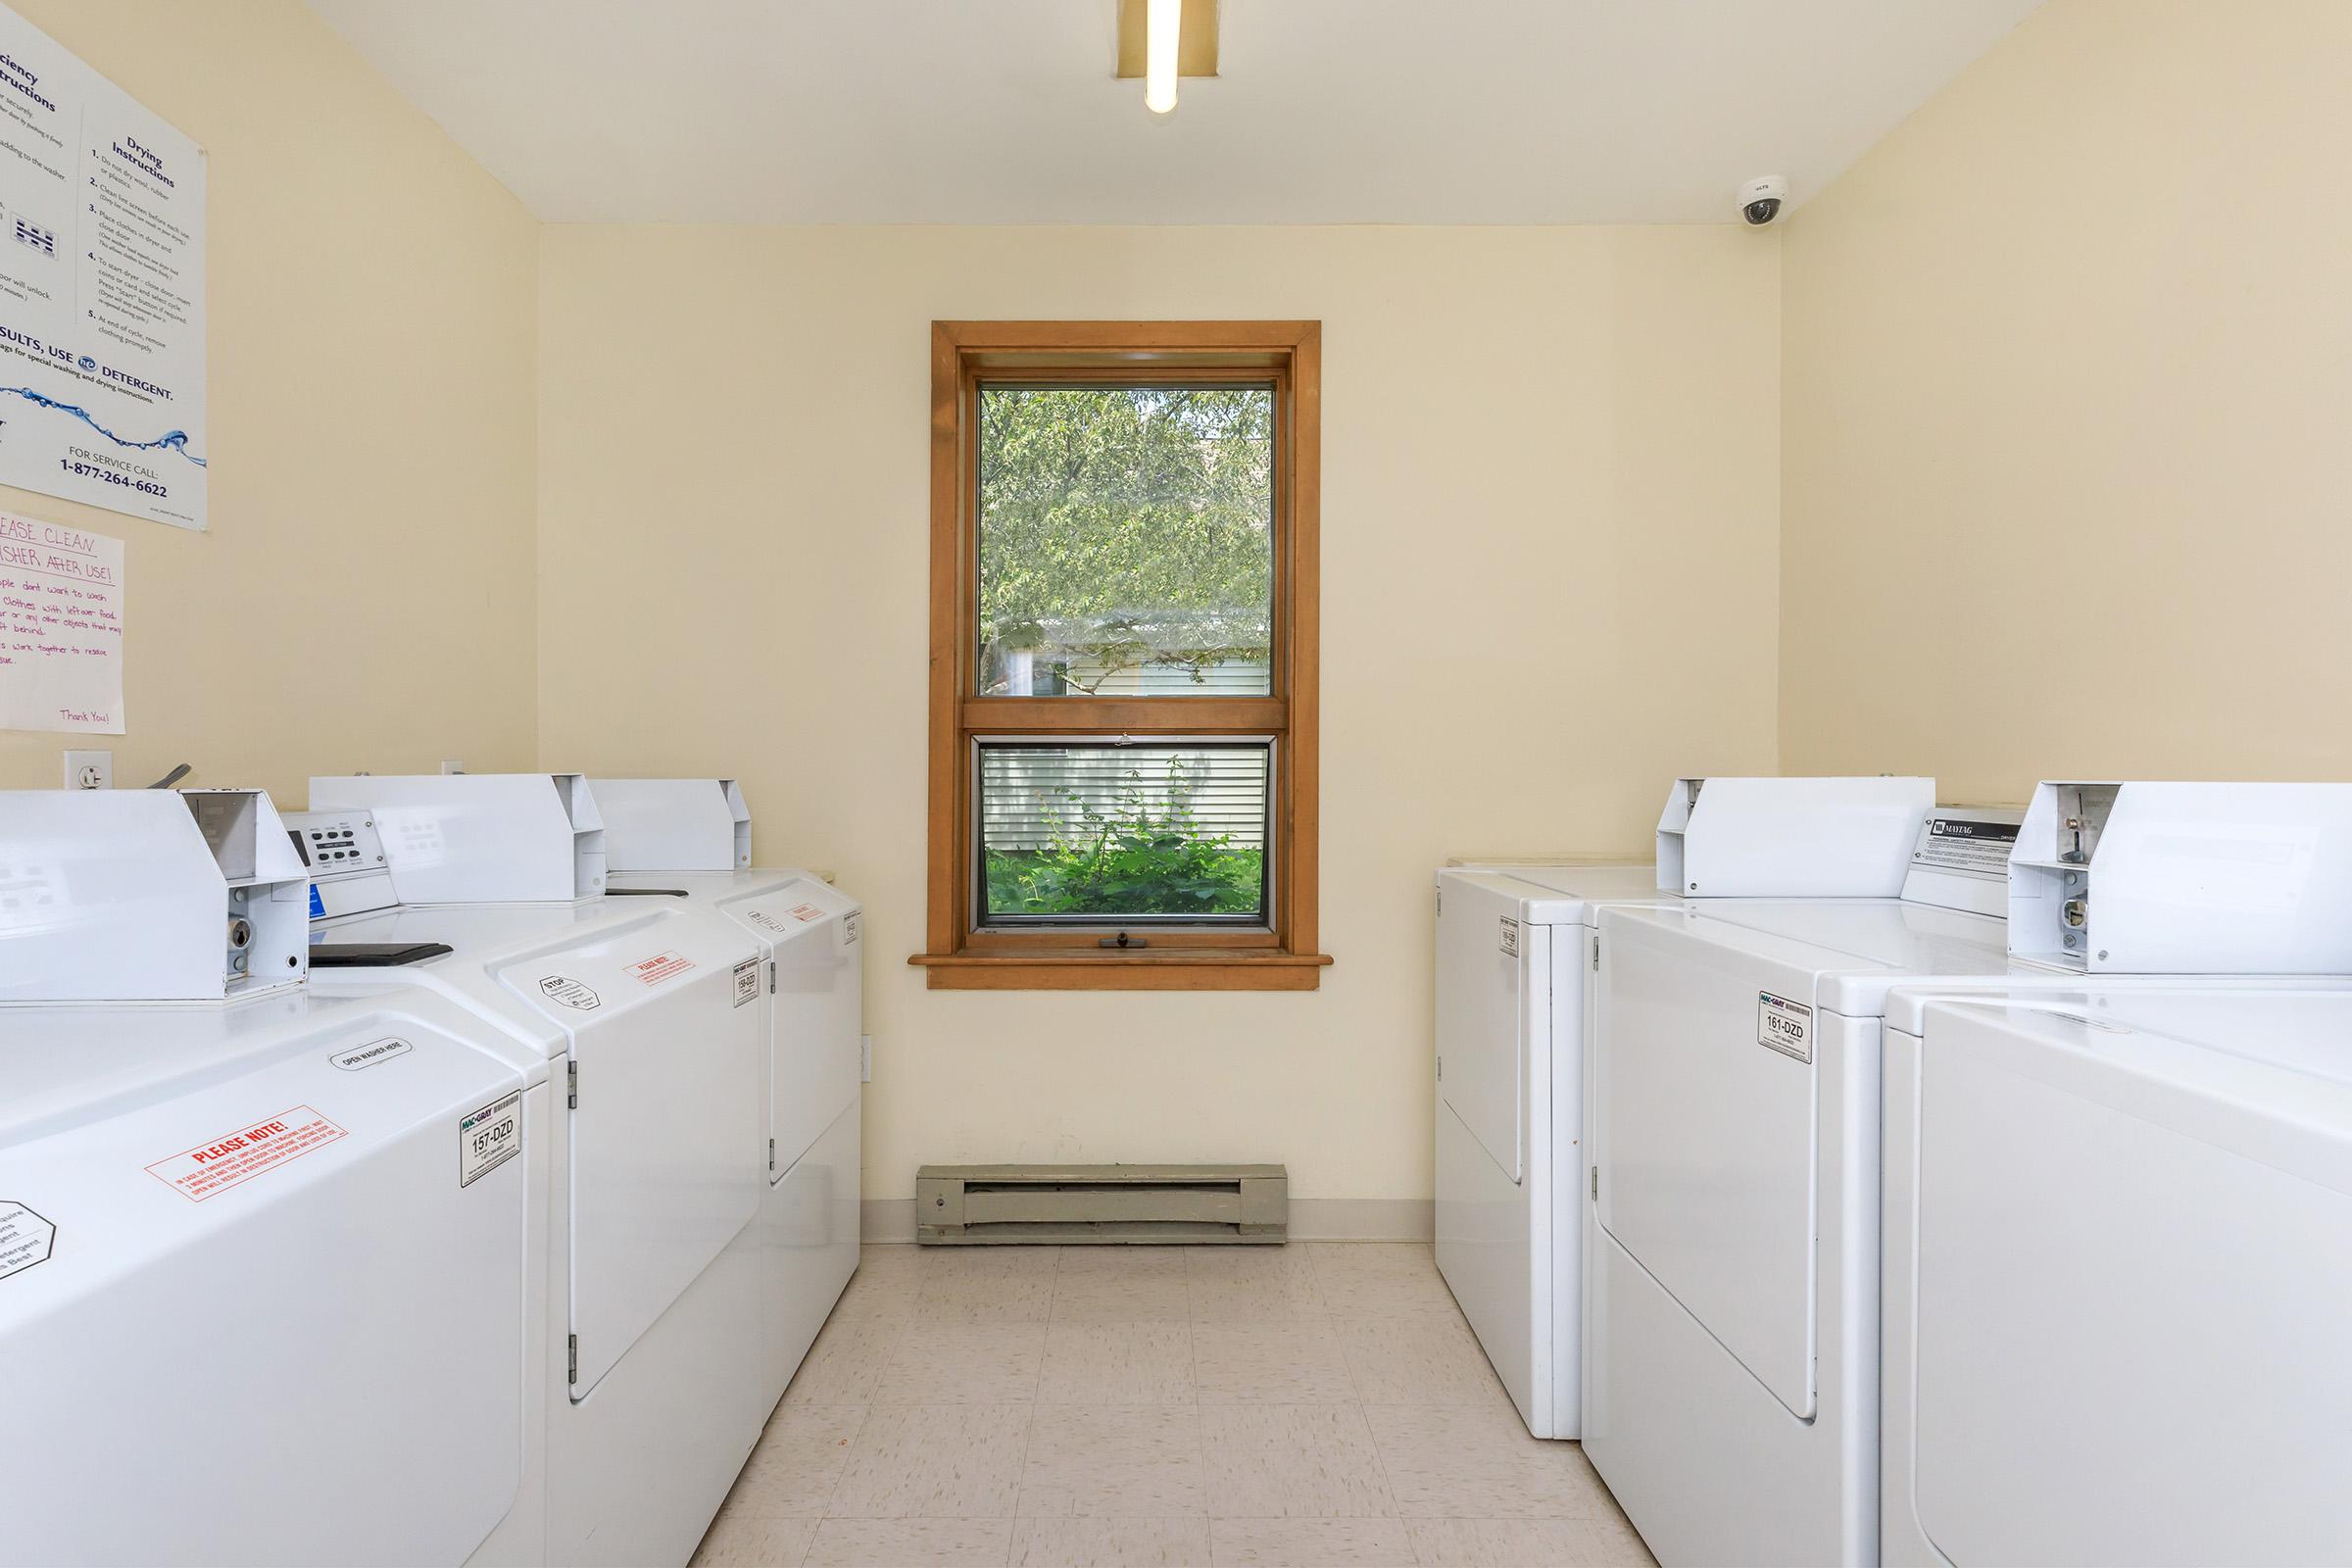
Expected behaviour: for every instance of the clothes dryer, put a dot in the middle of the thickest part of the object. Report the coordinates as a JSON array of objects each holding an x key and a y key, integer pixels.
[
  {"x": 1515, "y": 950},
  {"x": 643, "y": 1011},
  {"x": 692, "y": 838},
  {"x": 1731, "y": 1315}
]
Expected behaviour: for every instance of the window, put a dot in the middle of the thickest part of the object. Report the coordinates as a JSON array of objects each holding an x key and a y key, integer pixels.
[{"x": 1124, "y": 656}]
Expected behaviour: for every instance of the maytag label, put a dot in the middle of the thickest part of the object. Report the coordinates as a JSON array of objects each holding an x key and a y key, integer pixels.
[
  {"x": 1510, "y": 936},
  {"x": 1976, "y": 845},
  {"x": 489, "y": 1138},
  {"x": 1784, "y": 1026}
]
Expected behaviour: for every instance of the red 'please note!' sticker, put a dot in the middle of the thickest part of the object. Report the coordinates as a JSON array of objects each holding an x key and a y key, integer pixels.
[
  {"x": 659, "y": 967},
  {"x": 238, "y": 1157}
]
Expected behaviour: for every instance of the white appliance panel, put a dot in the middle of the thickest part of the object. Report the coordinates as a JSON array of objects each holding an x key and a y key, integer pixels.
[
  {"x": 474, "y": 838},
  {"x": 1664, "y": 1404},
  {"x": 1721, "y": 838},
  {"x": 1486, "y": 955},
  {"x": 668, "y": 1161},
  {"x": 675, "y": 824},
  {"x": 2092, "y": 1201},
  {"x": 1487, "y": 1251},
  {"x": 813, "y": 932},
  {"x": 1709, "y": 1463},
  {"x": 810, "y": 1227},
  {"x": 1707, "y": 1142},
  {"x": 2185, "y": 878},
  {"x": 284, "y": 1303},
  {"x": 637, "y": 1469},
  {"x": 147, "y": 895}
]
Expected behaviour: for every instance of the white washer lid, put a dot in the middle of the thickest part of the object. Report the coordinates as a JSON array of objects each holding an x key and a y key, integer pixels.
[{"x": 1858, "y": 949}]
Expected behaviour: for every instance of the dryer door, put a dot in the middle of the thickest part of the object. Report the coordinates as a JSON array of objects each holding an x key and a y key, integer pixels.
[
  {"x": 813, "y": 930},
  {"x": 669, "y": 1156},
  {"x": 1705, "y": 1133},
  {"x": 1484, "y": 965}
]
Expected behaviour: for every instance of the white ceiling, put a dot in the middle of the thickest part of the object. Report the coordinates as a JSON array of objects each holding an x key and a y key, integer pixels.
[{"x": 1005, "y": 111}]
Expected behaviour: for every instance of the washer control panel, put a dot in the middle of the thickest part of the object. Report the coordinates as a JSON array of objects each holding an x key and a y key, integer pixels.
[{"x": 346, "y": 859}]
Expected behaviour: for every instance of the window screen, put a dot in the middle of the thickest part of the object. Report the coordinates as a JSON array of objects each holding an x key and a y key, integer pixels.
[{"x": 1105, "y": 834}]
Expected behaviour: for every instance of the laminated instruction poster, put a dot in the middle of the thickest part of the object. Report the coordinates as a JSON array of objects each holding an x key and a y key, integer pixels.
[{"x": 101, "y": 290}]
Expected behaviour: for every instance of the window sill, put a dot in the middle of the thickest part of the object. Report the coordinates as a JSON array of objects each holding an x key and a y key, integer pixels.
[{"x": 1196, "y": 970}]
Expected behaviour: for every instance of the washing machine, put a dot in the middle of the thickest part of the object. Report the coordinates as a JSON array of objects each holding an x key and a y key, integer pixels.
[
  {"x": 1731, "y": 1310},
  {"x": 265, "y": 1257},
  {"x": 2118, "y": 1198},
  {"x": 692, "y": 839},
  {"x": 644, "y": 1012},
  {"x": 1514, "y": 946}
]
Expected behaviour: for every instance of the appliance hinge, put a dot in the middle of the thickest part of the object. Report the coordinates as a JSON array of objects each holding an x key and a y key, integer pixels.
[
  {"x": 771, "y": 1153},
  {"x": 1596, "y": 1184},
  {"x": 772, "y": 977},
  {"x": 1441, "y": 1069},
  {"x": 1597, "y": 954},
  {"x": 1441, "y": 901},
  {"x": 571, "y": 1085},
  {"x": 572, "y": 1359}
]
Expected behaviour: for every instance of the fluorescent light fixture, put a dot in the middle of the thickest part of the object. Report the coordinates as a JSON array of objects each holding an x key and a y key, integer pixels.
[{"x": 1163, "y": 24}]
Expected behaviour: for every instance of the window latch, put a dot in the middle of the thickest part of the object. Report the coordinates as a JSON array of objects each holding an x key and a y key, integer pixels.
[{"x": 1122, "y": 939}]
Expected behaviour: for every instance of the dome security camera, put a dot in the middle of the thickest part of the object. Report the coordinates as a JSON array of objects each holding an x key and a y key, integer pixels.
[{"x": 1761, "y": 199}]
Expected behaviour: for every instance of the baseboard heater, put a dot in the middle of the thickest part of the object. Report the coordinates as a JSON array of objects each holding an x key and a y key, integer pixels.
[{"x": 1006, "y": 1204}]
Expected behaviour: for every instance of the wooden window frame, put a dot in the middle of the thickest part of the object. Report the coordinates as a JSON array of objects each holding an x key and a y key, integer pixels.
[{"x": 1282, "y": 956}]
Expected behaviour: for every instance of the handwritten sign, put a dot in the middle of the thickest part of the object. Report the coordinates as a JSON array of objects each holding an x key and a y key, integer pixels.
[{"x": 60, "y": 628}]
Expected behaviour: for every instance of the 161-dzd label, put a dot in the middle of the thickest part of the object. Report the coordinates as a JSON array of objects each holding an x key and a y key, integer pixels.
[{"x": 1784, "y": 1026}]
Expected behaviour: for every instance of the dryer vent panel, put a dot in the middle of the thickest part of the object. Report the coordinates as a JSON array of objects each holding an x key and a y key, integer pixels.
[{"x": 1078, "y": 1204}]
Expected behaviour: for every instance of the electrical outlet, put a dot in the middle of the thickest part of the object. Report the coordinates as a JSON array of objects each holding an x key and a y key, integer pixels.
[
  {"x": 89, "y": 770},
  {"x": 866, "y": 1058},
  {"x": 453, "y": 764}
]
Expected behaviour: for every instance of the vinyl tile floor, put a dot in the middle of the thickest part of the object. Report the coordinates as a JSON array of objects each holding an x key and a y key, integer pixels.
[{"x": 1319, "y": 1403}]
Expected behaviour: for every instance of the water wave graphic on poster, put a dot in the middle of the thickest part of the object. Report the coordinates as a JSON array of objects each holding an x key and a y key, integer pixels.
[{"x": 102, "y": 396}]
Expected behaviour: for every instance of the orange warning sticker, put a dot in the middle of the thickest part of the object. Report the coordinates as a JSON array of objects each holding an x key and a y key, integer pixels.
[
  {"x": 806, "y": 911},
  {"x": 659, "y": 967},
  {"x": 245, "y": 1154}
]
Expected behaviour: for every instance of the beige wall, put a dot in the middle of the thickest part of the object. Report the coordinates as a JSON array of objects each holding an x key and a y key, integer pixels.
[
  {"x": 364, "y": 599},
  {"x": 2068, "y": 406},
  {"x": 2020, "y": 451},
  {"x": 1549, "y": 563}
]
